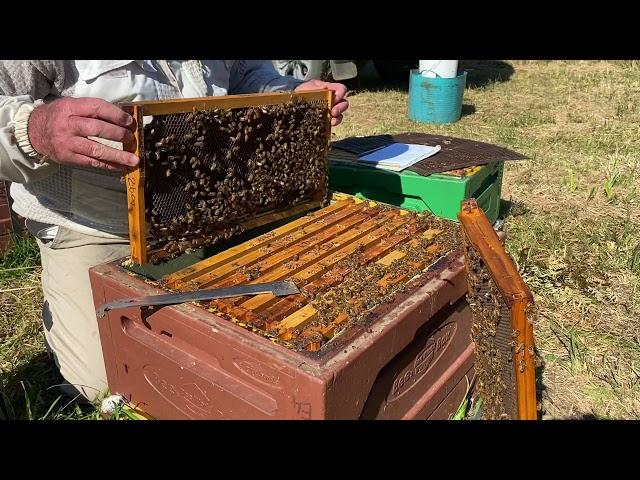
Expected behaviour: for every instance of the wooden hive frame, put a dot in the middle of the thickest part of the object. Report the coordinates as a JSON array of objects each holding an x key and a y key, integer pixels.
[
  {"x": 134, "y": 178},
  {"x": 308, "y": 251},
  {"x": 478, "y": 234}
]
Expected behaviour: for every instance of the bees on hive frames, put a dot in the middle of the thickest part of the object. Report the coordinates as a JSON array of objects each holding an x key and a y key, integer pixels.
[{"x": 220, "y": 167}]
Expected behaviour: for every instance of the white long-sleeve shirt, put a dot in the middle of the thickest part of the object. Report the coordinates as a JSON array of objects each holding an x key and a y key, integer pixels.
[{"x": 93, "y": 201}]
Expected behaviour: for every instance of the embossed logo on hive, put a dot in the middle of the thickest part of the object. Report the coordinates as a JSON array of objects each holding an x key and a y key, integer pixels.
[
  {"x": 426, "y": 358},
  {"x": 190, "y": 398},
  {"x": 254, "y": 370}
]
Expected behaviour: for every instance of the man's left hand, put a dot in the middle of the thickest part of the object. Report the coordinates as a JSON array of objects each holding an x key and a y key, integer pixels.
[{"x": 340, "y": 102}]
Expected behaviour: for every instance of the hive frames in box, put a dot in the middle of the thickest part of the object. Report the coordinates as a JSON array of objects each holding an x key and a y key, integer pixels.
[
  {"x": 212, "y": 166},
  {"x": 347, "y": 259}
]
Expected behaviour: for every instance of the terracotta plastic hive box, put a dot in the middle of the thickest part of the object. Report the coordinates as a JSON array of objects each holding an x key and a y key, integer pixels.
[
  {"x": 409, "y": 359},
  {"x": 184, "y": 362}
]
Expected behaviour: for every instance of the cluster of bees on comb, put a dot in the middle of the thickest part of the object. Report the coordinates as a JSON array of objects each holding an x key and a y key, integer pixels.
[
  {"x": 208, "y": 171},
  {"x": 492, "y": 334},
  {"x": 370, "y": 284}
]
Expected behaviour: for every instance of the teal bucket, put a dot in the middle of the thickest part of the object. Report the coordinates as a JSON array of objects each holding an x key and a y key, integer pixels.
[{"x": 435, "y": 100}]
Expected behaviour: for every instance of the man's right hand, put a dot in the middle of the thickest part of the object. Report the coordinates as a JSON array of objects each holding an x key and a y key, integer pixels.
[{"x": 59, "y": 130}]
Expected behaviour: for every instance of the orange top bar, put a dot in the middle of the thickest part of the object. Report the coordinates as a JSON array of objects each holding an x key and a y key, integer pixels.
[{"x": 485, "y": 240}]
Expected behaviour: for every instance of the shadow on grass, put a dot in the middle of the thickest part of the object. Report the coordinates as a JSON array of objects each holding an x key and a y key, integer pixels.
[
  {"x": 468, "y": 109},
  {"x": 31, "y": 392},
  {"x": 370, "y": 80},
  {"x": 512, "y": 208},
  {"x": 541, "y": 388},
  {"x": 480, "y": 73}
]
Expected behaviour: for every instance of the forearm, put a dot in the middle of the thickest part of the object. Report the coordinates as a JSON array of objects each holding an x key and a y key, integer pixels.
[
  {"x": 15, "y": 165},
  {"x": 258, "y": 76},
  {"x": 21, "y": 83}
]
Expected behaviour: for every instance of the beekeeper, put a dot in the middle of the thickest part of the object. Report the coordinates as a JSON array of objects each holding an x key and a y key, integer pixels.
[{"x": 68, "y": 186}]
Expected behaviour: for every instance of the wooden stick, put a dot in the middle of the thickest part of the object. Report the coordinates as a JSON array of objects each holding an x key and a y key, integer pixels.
[
  {"x": 177, "y": 279},
  {"x": 298, "y": 319},
  {"x": 314, "y": 271},
  {"x": 321, "y": 232},
  {"x": 334, "y": 276},
  {"x": 134, "y": 181},
  {"x": 315, "y": 264},
  {"x": 259, "y": 302},
  {"x": 326, "y": 330},
  {"x": 391, "y": 257},
  {"x": 187, "y": 105}
]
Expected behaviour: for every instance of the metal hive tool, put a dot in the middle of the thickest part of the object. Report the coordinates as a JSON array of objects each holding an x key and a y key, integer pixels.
[
  {"x": 212, "y": 167},
  {"x": 502, "y": 329}
]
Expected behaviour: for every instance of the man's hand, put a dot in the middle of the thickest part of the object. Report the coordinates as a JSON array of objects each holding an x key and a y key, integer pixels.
[
  {"x": 60, "y": 129},
  {"x": 340, "y": 103}
]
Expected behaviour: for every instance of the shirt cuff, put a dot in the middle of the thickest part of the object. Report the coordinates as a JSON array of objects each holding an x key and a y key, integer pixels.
[{"x": 21, "y": 131}]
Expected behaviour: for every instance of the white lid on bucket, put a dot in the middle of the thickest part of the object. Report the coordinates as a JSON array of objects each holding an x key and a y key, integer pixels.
[{"x": 438, "y": 68}]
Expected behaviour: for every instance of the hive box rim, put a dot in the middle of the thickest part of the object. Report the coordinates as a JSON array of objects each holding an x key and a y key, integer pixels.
[{"x": 447, "y": 269}]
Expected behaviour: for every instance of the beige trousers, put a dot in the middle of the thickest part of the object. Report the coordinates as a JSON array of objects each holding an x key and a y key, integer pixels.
[{"x": 69, "y": 316}]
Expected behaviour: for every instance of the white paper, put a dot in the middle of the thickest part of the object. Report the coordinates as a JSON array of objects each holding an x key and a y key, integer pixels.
[{"x": 398, "y": 156}]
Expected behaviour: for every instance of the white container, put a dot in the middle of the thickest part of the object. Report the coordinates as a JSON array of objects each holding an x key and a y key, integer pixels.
[{"x": 438, "y": 68}]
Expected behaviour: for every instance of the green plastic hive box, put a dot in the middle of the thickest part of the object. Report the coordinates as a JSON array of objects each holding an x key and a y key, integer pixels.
[{"x": 440, "y": 193}]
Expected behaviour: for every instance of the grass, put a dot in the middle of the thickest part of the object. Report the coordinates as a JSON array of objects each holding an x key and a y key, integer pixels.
[
  {"x": 26, "y": 376},
  {"x": 572, "y": 215},
  {"x": 572, "y": 219}
]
